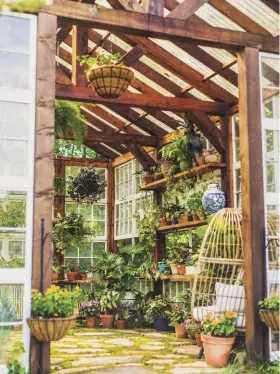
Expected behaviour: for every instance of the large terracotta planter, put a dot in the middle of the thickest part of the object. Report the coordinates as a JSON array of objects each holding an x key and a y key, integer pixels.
[
  {"x": 270, "y": 318},
  {"x": 217, "y": 350},
  {"x": 180, "y": 332},
  {"x": 198, "y": 340},
  {"x": 162, "y": 222},
  {"x": 50, "y": 329},
  {"x": 174, "y": 269},
  {"x": 107, "y": 320},
  {"x": 110, "y": 81},
  {"x": 72, "y": 276},
  {"x": 181, "y": 269},
  {"x": 120, "y": 324},
  {"x": 91, "y": 322}
]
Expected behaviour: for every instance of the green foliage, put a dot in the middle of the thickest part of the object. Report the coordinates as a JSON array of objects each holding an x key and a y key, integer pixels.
[
  {"x": 12, "y": 213},
  {"x": 87, "y": 187},
  {"x": 270, "y": 303},
  {"x": 89, "y": 308},
  {"x": 59, "y": 185},
  {"x": 147, "y": 228},
  {"x": 109, "y": 300},
  {"x": 99, "y": 60},
  {"x": 16, "y": 262},
  {"x": 55, "y": 302},
  {"x": 24, "y": 5},
  {"x": 223, "y": 326},
  {"x": 123, "y": 312},
  {"x": 157, "y": 307},
  {"x": 7, "y": 314},
  {"x": 14, "y": 366},
  {"x": 72, "y": 148},
  {"x": 193, "y": 328},
  {"x": 178, "y": 314},
  {"x": 70, "y": 231}
]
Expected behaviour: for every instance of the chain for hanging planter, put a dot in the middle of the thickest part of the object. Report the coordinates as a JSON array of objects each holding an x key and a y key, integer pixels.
[{"x": 87, "y": 187}]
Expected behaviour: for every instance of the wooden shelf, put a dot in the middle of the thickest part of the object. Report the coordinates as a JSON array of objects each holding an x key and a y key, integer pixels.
[
  {"x": 178, "y": 278},
  {"x": 196, "y": 171},
  {"x": 182, "y": 226},
  {"x": 65, "y": 281}
]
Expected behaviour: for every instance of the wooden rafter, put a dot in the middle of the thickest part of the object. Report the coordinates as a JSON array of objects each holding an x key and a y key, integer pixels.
[
  {"x": 272, "y": 4},
  {"x": 79, "y": 48},
  {"x": 186, "y": 9},
  {"x": 158, "y": 27},
  {"x": 155, "y": 7},
  {"x": 130, "y": 5}
]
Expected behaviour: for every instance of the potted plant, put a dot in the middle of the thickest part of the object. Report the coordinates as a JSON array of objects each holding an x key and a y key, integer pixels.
[
  {"x": 169, "y": 157},
  {"x": 193, "y": 331},
  {"x": 218, "y": 336},
  {"x": 158, "y": 173},
  {"x": 87, "y": 187},
  {"x": 162, "y": 219},
  {"x": 210, "y": 156},
  {"x": 55, "y": 272},
  {"x": 72, "y": 272},
  {"x": 107, "y": 76},
  {"x": 177, "y": 317},
  {"x": 109, "y": 302},
  {"x": 83, "y": 272},
  {"x": 122, "y": 316},
  {"x": 156, "y": 311},
  {"x": 269, "y": 311},
  {"x": 90, "y": 310},
  {"x": 163, "y": 267},
  {"x": 53, "y": 313},
  {"x": 181, "y": 266}
]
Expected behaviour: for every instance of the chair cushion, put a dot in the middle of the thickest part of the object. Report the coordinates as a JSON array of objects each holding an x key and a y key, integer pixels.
[{"x": 229, "y": 298}]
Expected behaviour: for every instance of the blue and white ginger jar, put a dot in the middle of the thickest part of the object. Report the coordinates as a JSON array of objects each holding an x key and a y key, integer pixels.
[{"x": 213, "y": 199}]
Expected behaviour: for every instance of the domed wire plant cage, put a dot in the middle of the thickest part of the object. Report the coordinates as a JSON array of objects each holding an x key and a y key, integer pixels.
[{"x": 218, "y": 286}]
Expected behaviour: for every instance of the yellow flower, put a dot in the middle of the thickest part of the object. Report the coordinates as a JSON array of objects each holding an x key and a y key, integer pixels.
[
  {"x": 230, "y": 315},
  {"x": 208, "y": 316},
  {"x": 77, "y": 288},
  {"x": 214, "y": 322},
  {"x": 34, "y": 290},
  {"x": 273, "y": 294}
]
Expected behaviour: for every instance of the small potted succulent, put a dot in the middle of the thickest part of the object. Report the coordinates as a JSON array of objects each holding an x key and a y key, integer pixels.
[
  {"x": 177, "y": 317},
  {"x": 122, "y": 316},
  {"x": 157, "y": 310},
  {"x": 269, "y": 311},
  {"x": 218, "y": 336},
  {"x": 53, "y": 313},
  {"x": 193, "y": 331},
  {"x": 107, "y": 76},
  {"x": 109, "y": 302},
  {"x": 90, "y": 310}
]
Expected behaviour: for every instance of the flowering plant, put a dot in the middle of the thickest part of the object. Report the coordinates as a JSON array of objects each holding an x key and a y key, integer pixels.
[
  {"x": 270, "y": 303},
  {"x": 193, "y": 328},
  {"x": 55, "y": 302},
  {"x": 177, "y": 315},
  {"x": 224, "y": 325},
  {"x": 90, "y": 308}
]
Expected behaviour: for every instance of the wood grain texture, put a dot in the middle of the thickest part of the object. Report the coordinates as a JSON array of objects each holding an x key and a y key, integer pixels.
[
  {"x": 253, "y": 216},
  {"x": 186, "y": 9},
  {"x": 110, "y": 209},
  {"x": 155, "y": 7},
  {"x": 79, "y": 48}
]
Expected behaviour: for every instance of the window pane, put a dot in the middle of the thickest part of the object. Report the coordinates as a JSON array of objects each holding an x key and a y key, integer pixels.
[
  {"x": 14, "y": 119},
  {"x": 86, "y": 211},
  {"x": 99, "y": 212},
  {"x": 12, "y": 209},
  {"x": 270, "y": 72},
  {"x": 99, "y": 228},
  {"x": 13, "y": 158},
  {"x": 14, "y": 34},
  {"x": 85, "y": 250},
  {"x": 71, "y": 208},
  {"x": 98, "y": 248},
  {"x": 11, "y": 297},
  {"x": 14, "y": 70}
]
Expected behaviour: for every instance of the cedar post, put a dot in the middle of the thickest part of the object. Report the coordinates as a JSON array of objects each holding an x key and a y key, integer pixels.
[
  {"x": 44, "y": 170},
  {"x": 253, "y": 221},
  {"x": 110, "y": 208},
  {"x": 79, "y": 48}
]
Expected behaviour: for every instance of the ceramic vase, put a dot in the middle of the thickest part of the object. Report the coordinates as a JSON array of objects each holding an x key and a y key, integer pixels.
[{"x": 213, "y": 199}]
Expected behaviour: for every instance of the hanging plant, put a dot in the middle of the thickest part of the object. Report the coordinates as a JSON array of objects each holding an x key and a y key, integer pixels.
[
  {"x": 87, "y": 187},
  {"x": 107, "y": 76}
]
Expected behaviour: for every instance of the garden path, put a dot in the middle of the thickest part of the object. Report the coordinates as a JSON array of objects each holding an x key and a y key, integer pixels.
[{"x": 113, "y": 351}]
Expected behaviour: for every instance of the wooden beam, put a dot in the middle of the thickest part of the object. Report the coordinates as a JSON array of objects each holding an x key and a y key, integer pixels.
[
  {"x": 128, "y": 157},
  {"x": 78, "y": 161},
  {"x": 253, "y": 221},
  {"x": 62, "y": 34},
  {"x": 102, "y": 150},
  {"x": 110, "y": 208},
  {"x": 142, "y": 156},
  {"x": 79, "y": 48},
  {"x": 272, "y": 4},
  {"x": 186, "y": 9},
  {"x": 44, "y": 171},
  {"x": 158, "y": 27},
  {"x": 130, "y": 5},
  {"x": 86, "y": 94},
  {"x": 155, "y": 7}
]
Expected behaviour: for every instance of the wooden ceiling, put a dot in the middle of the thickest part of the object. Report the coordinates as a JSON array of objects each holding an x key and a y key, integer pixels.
[{"x": 171, "y": 77}]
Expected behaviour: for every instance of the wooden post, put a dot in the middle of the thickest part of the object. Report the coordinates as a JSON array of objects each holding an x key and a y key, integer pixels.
[
  {"x": 110, "y": 208},
  {"x": 79, "y": 48},
  {"x": 253, "y": 221},
  {"x": 44, "y": 170}
]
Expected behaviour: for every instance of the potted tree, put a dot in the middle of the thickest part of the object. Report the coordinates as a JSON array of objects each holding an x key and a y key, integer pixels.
[
  {"x": 218, "y": 336},
  {"x": 156, "y": 311},
  {"x": 177, "y": 317},
  {"x": 269, "y": 311},
  {"x": 107, "y": 76},
  {"x": 53, "y": 313},
  {"x": 108, "y": 303},
  {"x": 90, "y": 310}
]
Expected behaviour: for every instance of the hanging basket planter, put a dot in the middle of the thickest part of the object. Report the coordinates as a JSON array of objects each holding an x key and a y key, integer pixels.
[
  {"x": 110, "y": 81},
  {"x": 50, "y": 329},
  {"x": 270, "y": 318}
]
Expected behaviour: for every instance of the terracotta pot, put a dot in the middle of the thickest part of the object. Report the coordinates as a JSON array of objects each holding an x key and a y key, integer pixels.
[
  {"x": 162, "y": 222},
  {"x": 50, "y": 329},
  {"x": 107, "y": 320},
  {"x": 181, "y": 269},
  {"x": 55, "y": 276},
  {"x": 183, "y": 218},
  {"x": 148, "y": 178},
  {"x": 211, "y": 158},
  {"x": 174, "y": 269},
  {"x": 83, "y": 276},
  {"x": 195, "y": 217},
  {"x": 72, "y": 275},
  {"x": 169, "y": 220},
  {"x": 158, "y": 176},
  {"x": 200, "y": 213},
  {"x": 165, "y": 167},
  {"x": 198, "y": 340},
  {"x": 180, "y": 332},
  {"x": 120, "y": 324},
  {"x": 91, "y": 322},
  {"x": 199, "y": 159},
  {"x": 217, "y": 350},
  {"x": 190, "y": 217}
]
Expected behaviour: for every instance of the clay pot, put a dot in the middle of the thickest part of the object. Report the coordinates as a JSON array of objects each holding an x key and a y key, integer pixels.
[
  {"x": 190, "y": 217},
  {"x": 199, "y": 159},
  {"x": 165, "y": 167},
  {"x": 55, "y": 277},
  {"x": 83, "y": 277},
  {"x": 200, "y": 213},
  {"x": 162, "y": 222},
  {"x": 174, "y": 269},
  {"x": 198, "y": 340},
  {"x": 169, "y": 220},
  {"x": 91, "y": 322},
  {"x": 148, "y": 178},
  {"x": 120, "y": 324},
  {"x": 217, "y": 350},
  {"x": 195, "y": 217},
  {"x": 72, "y": 276},
  {"x": 180, "y": 332},
  {"x": 183, "y": 218},
  {"x": 181, "y": 269},
  {"x": 107, "y": 320},
  {"x": 211, "y": 158},
  {"x": 158, "y": 176}
]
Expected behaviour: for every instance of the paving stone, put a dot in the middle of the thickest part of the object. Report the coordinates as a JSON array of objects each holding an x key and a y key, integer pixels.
[
  {"x": 155, "y": 335},
  {"x": 188, "y": 349},
  {"x": 160, "y": 361},
  {"x": 132, "y": 364},
  {"x": 158, "y": 367},
  {"x": 190, "y": 370},
  {"x": 120, "y": 341},
  {"x": 197, "y": 364},
  {"x": 104, "y": 333},
  {"x": 55, "y": 360},
  {"x": 155, "y": 343},
  {"x": 55, "y": 346},
  {"x": 148, "y": 347},
  {"x": 170, "y": 356},
  {"x": 81, "y": 350},
  {"x": 79, "y": 370},
  {"x": 178, "y": 343},
  {"x": 126, "y": 370},
  {"x": 106, "y": 360}
]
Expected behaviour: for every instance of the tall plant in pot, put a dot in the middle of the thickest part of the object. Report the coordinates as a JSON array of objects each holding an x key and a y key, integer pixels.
[
  {"x": 218, "y": 337},
  {"x": 177, "y": 317},
  {"x": 109, "y": 302},
  {"x": 157, "y": 311}
]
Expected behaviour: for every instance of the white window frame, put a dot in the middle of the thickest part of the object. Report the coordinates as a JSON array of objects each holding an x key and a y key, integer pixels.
[
  {"x": 236, "y": 163},
  {"x": 22, "y": 276}
]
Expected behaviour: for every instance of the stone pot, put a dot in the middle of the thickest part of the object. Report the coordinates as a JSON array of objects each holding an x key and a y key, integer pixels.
[
  {"x": 217, "y": 350},
  {"x": 120, "y": 324},
  {"x": 162, "y": 222},
  {"x": 181, "y": 269},
  {"x": 55, "y": 277},
  {"x": 91, "y": 321},
  {"x": 213, "y": 199},
  {"x": 180, "y": 332},
  {"x": 50, "y": 329},
  {"x": 174, "y": 269},
  {"x": 107, "y": 320}
]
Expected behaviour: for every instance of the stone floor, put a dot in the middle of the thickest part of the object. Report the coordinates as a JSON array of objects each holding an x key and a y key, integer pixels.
[{"x": 103, "y": 351}]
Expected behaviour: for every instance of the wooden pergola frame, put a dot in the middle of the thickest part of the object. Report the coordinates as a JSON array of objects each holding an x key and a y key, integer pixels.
[{"x": 133, "y": 132}]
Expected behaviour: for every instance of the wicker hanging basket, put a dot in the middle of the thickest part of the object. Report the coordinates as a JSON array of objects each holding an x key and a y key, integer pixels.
[
  {"x": 270, "y": 318},
  {"x": 50, "y": 329},
  {"x": 110, "y": 81}
]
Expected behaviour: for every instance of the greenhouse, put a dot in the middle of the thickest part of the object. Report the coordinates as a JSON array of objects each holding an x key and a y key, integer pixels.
[{"x": 139, "y": 186}]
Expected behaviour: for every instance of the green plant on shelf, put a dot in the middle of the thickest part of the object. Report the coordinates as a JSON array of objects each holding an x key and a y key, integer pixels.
[{"x": 147, "y": 228}]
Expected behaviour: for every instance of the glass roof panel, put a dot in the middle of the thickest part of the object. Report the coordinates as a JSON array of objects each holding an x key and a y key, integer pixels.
[
  {"x": 222, "y": 82},
  {"x": 199, "y": 95},
  {"x": 173, "y": 115},
  {"x": 159, "y": 123}
]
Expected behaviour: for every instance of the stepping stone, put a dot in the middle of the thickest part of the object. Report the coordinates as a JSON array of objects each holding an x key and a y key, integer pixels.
[
  {"x": 158, "y": 367},
  {"x": 93, "y": 333},
  {"x": 120, "y": 341},
  {"x": 171, "y": 356},
  {"x": 155, "y": 335},
  {"x": 55, "y": 360},
  {"x": 148, "y": 347},
  {"x": 106, "y": 360},
  {"x": 158, "y": 361},
  {"x": 189, "y": 349},
  {"x": 135, "y": 364},
  {"x": 79, "y": 370},
  {"x": 155, "y": 343},
  {"x": 184, "y": 370},
  {"x": 197, "y": 364},
  {"x": 178, "y": 343},
  {"x": 81, "y": 350},
  {"x": 65, "y": 346},
  {"x": 126, "y": 370}
]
